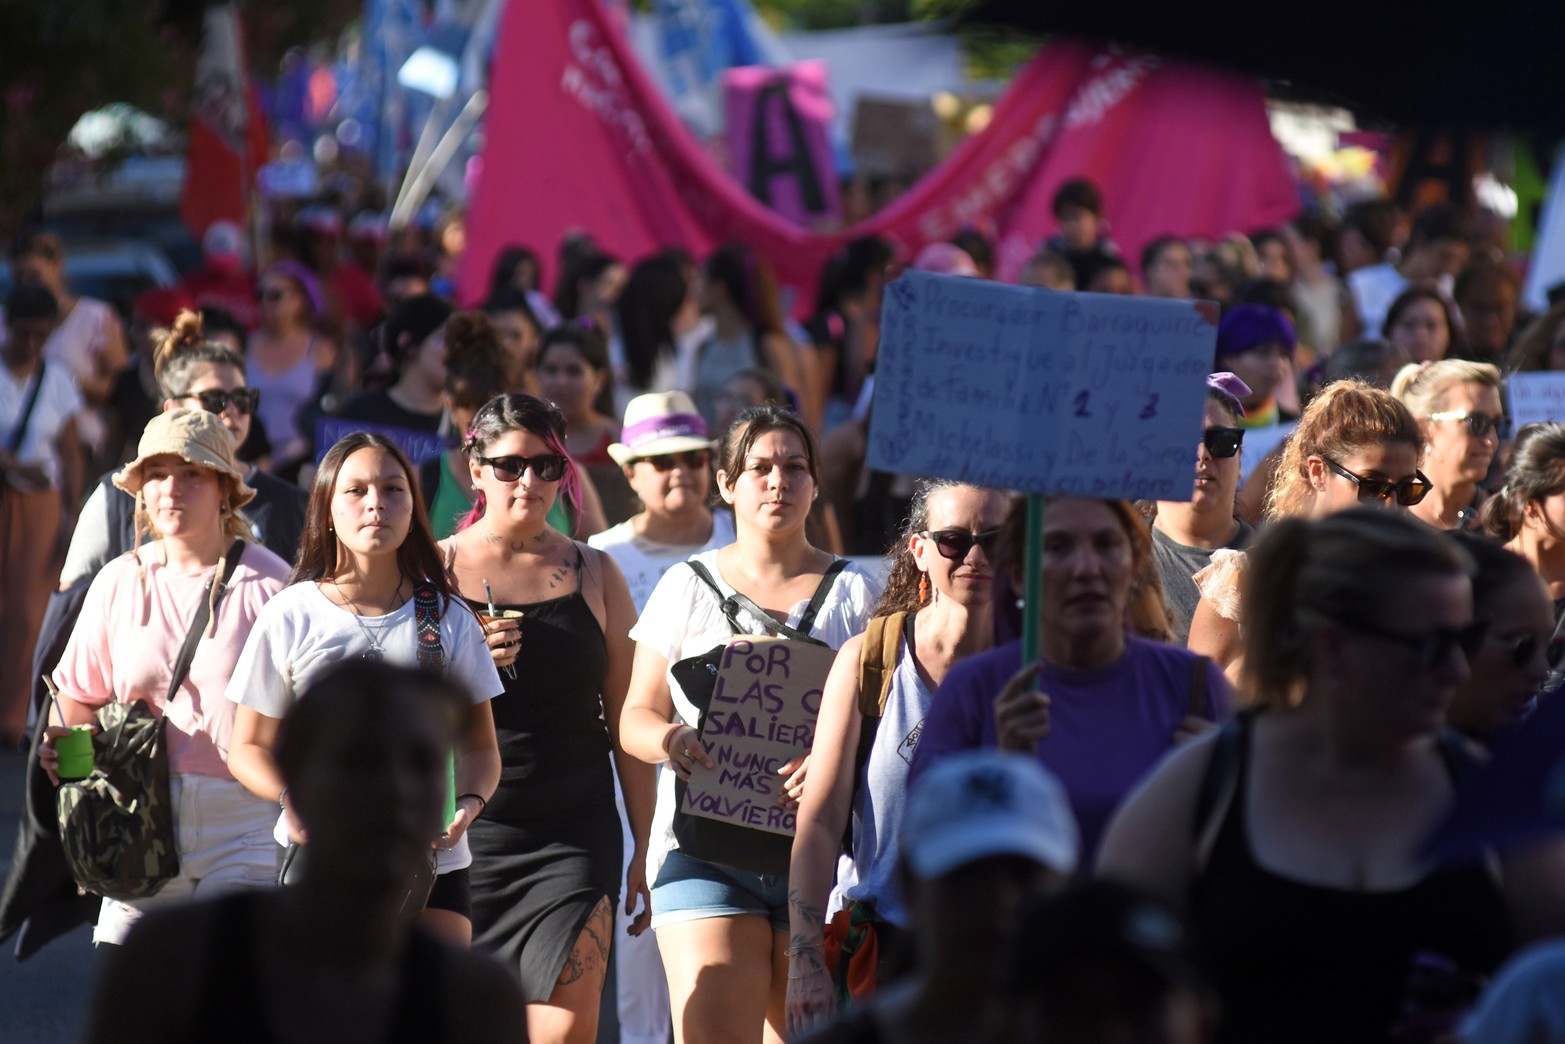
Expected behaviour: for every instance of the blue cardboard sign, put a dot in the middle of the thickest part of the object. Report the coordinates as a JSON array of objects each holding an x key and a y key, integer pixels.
[
  {"x": 419, "y": 446},
  {"x": 1040, "y": 391}
]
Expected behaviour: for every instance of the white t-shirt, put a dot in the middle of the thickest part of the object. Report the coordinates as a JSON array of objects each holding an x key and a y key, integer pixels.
[
  {"x": 58, "y": 402},
  {"x": 645, "y": 561},
  {"x": 683, "y": 618},
  {"x": 301, "y": 632}
]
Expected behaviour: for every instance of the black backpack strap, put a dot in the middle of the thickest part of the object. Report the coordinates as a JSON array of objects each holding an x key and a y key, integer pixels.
[
  {"x": 1200, "y": 703},
  {"x": 822, "y": 591},
  {"x": 204, "y": 613}
]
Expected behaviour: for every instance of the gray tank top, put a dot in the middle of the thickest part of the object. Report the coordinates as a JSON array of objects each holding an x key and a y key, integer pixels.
[{"x": 879, "y": 797}]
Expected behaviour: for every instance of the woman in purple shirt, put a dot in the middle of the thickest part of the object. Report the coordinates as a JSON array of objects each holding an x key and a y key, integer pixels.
[{"x": 1106, "y": 705}]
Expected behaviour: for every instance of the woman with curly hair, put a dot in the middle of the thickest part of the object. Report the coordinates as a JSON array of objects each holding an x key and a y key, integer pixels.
[{"x": 937, "y": 608}]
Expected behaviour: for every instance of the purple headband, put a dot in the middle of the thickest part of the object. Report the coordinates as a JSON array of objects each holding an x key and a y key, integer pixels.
[
  {"x": 668, "y": 426},
  {"x": 1230, "y": 387},
  {"x": 306, "y": 279}
]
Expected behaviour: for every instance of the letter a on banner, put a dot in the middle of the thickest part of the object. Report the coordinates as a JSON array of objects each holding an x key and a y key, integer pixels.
[{"x": 779, "y": 139}]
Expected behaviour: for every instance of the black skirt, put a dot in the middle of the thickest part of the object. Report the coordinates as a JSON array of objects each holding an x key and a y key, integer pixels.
[{"x": 535, "y": 883}]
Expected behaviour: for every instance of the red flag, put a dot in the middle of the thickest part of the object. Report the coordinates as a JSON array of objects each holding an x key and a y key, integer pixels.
[{"x": 227, "y": 139}]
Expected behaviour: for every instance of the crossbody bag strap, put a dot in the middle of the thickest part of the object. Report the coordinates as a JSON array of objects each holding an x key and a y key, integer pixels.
[
  {"x": 822, "y": 591},
  {"x": 204, "y": 613},
  {"x": 426, "y": 616},
  {"x": 13, "y": 442},
  {"x": 736, "y": 601}
]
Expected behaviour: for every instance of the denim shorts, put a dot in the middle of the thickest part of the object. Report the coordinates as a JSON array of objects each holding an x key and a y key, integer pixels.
[{"x": 689, "y": 889}]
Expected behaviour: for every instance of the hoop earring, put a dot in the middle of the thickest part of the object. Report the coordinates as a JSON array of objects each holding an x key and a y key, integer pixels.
[{"x": 923, "y": 588}]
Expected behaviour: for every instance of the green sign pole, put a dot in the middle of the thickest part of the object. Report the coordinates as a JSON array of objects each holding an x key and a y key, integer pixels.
[{"x": 1032, "y": 582}]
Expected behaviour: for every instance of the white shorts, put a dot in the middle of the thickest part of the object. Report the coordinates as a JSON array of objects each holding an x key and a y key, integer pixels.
[{"x": 224, "y": 836}]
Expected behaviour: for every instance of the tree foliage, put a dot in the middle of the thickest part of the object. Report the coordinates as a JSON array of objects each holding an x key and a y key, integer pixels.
[{"x": 62, "y": 58}]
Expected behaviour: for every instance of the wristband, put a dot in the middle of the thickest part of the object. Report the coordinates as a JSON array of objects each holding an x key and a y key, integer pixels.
[
  {"x": 282, "y": 798},
  {"x": 482, "y": 804}
]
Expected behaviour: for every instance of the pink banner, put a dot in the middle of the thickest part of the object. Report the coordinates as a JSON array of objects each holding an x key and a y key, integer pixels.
[
  {"x": 779, "y": 139},
  {"x": 578, "y": 137}
]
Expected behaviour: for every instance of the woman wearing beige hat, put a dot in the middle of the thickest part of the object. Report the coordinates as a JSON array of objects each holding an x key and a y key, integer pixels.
[{"x": 189, "y": 491}]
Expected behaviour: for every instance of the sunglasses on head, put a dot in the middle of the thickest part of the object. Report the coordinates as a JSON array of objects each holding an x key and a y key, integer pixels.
[
  {"x": 1523, "y": 647},
  {"x": 691, "y": 460},
  {"x": 956, "y": 543},
  {"x": 1408, "y": 491},
  {"x": 1479, "y": 423},
  {"x": 546, "y": 467},
  {"x": 1222, "y": 443},
  {"x": 216, "y": 400},
  {"x": 1430, "y": 648}
]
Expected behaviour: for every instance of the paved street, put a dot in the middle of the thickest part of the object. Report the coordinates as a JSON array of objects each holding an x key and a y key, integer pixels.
[{"x": 42, "y": 1000}]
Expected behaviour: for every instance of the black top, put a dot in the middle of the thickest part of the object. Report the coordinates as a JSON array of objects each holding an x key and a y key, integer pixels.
[
  {"x": 229, "y": 1007},
  {"x": 380, "y": 408},
  {"x": 1307, "y": 963},
  {"x": 554, "y": 745}
]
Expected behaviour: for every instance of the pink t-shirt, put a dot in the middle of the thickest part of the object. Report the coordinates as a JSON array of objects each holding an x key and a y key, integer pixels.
[{"x": 130, "y": 633}]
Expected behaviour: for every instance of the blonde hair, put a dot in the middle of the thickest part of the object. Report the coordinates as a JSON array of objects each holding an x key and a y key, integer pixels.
[
  {"x": 1422, "y": 387},
  {"x": 1345, "y": 417},
  {"x": 1344, "y": 567}
]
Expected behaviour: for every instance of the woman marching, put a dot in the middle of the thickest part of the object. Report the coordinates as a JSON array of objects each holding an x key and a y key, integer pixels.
[
  {"x": 138, "y": 612},
  {"x": 368, "y": 582},
  {"x": 548, "y": 849},
  {"x": 938, "y": 609},
  {"x": 722, "y": 931}
]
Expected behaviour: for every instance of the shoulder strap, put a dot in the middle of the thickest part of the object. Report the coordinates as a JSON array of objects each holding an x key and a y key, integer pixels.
[
  {"x": 822, "y": 591},
  {"x": 590, "y": 568},
  {"x": 211, "y": 594},
  {"x": 1200, "y": 705},
  {"x": 882, "y": 643},
  {"x": 13, "y": 441},
  {"x": 426, "y": 615},
  {"x": 1221, "y": 772}
]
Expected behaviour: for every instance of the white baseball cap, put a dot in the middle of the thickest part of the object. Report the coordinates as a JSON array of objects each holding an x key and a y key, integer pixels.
[{"x": 983, "y": 803}]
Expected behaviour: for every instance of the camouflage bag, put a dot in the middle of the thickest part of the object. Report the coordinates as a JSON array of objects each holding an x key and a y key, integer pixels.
[{"x": 117, "y": 825}]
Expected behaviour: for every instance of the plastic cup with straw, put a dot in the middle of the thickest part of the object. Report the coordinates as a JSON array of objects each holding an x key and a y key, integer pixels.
[
  {"x": 495, "y": 614},
  {"x": 74, "y": 748}
]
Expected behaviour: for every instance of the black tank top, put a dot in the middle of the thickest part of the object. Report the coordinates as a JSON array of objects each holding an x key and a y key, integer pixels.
[
  {"x": 554, "y": 745},
  {"x": 1308, "y": 963},
  {"x": 230, "y": 1009}
]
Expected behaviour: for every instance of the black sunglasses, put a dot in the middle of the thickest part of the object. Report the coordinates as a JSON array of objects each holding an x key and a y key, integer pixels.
[
  {"x": 1222, "y": 443},
  {"x": 216, "y": 400},
  {"x": 691, "y": 460},
  {"x": 1523, "y": 647},
  {"x": 956, "y": 543},
  {"x": 1408, "y": 491},
  {"x": 1432, "y": 647},
  {"x": 546, "y": 467},
  {"x": 1479, "y": 424},
  {"x": 272, "y": 294}
]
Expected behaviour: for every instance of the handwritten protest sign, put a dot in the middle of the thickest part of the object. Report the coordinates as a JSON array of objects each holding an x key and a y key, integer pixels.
[
  {"x": 1040, "y": 391},
  {"x": 418, "y": 445},
  {"x": 764, "y": 703},
  {"x": 1536, "y": 397}
]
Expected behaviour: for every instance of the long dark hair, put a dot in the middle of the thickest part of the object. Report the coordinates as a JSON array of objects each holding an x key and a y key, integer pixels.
[
  {"x": 417, "y": 559},
  {"x": 518, "y": 411},
  {"x": 652, "y": 297}
]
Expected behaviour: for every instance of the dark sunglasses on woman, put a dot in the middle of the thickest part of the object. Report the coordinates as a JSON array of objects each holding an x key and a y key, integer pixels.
[
  {"x": 692, "y": 460},
  {"x": 1523, "y": 647},
  {"x": 546, "y": 467},
  {"x": 1432, "y": 647},
  {"x": 1408, "y": 491},
  {"x": 956, "y": 543},
  {"x": 1479, "y": 423},
  {"x": 1222, "y": 443},
  {"x": 216, "y": 400}
]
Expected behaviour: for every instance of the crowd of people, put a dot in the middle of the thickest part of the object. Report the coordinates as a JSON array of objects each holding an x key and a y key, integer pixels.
[{"x": 498, "y": 547}]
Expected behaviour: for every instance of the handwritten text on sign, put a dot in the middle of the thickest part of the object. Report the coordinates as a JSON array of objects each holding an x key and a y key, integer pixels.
[
  {"x": 762, "y": 715},
  {"x": 1536, "y": 397},
  {"x": 1040, "y": 391}
]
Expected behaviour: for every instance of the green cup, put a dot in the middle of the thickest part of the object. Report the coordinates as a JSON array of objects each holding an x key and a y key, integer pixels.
[
  {"x": 75, "y": 750},
  {"x": 450, "y": 789}
]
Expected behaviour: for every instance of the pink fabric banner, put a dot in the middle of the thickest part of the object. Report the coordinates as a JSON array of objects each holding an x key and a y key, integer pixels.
[
  {"x": 578, "y": 137},
  {"x": 779, "y": 139}
]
